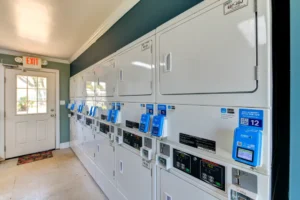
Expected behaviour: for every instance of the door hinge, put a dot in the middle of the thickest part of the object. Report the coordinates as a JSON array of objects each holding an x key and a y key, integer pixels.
[
  {"x": 4, "y": 80},
  {"x": 114, "y": 149},
  {"x": 256, "y": 73},
  {"x": 4, "y": 114},
  {"x": 151, "y": 172},
  {"x": 114, "y": 173},
  {"x": 5, "y": 148}
]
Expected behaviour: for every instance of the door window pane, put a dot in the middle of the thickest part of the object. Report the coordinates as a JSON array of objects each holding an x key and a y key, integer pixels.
[
  {"x": 31, "y": 95},
  {"x": 21, "y": 81},
  {"x": 22, "y": 108},
  {"x": 42, "y": 95},
  {"x": 32, "y": 107},
  {"x": 22, "y": 95},
  {"x": 32, "y": 82},
  {"x": 42, "y": 82}
]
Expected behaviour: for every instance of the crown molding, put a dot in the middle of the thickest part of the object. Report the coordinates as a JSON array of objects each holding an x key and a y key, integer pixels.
[
  {"x": 18, "y": 53},
  {"x": 107, "y": 24}
]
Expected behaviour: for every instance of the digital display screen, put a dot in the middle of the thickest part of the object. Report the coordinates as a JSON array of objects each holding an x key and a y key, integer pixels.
[{"x": 245, "y": 154}]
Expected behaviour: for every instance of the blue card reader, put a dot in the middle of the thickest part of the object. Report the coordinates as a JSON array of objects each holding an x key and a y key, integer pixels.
[
  {"x": 144, "y": 123},
  {"x": 115, "y": 116},
  {"x": 158, "y": 126},
  {"x": 247, "y": 146}
]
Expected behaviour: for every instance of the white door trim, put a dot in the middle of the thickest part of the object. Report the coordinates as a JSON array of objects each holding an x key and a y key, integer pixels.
[
  {"x": 2, "y": 107},
  {"x": 57, "y": 121}
]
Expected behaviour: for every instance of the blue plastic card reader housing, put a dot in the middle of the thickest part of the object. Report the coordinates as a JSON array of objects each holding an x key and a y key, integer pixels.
[
  {"x": 91, "y": 111},
  {"x": 114, "y": 116},
  {"x": 116, "y": 113},
  {"x": 109, "y": 115},
  {"x": 159, "y": 122},
  {"x": 144, "y": 123},
  {"x": 247, "y": 146},
  {"x": 158, "y": 125}
]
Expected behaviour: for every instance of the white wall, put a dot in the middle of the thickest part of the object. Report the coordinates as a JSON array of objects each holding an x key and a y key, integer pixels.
[{"x": 1, "y": 111}]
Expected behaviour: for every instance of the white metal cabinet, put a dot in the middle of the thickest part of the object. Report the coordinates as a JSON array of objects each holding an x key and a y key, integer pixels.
[
  {"x": 79, "y": 86},
  {"x": 209, "y": 125},
  {"x": 89, "y": 83},
  {"x": 106, "y": 77},
  {"x": 88, "y": 145},
  {"x": 208, "y": 57},
  {"x": 135, "y": 70},
  {"x": 134, "y": 181},
  {"x": 131, "y": 114},
  {"x": 174, "y": 188},
  {"x": 105, "y": 157},
  {"x": 135, "y": 65},
  {"x": 72, "y": 87},
  {"x": 211, "y": 53}
]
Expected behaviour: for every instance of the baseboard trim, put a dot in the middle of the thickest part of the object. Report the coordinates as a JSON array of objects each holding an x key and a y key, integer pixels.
[{"x": 64, "y": 145}]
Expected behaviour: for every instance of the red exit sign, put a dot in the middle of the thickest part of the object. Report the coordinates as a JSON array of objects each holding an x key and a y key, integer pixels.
[{"x": 31, "y": 62}]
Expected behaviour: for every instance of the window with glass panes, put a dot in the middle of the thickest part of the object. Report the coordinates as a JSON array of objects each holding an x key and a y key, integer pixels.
[{"x": 31, "y": 95}]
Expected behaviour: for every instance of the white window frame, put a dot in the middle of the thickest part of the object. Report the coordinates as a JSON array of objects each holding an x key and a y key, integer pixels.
[{"x": 37, "y": 113}]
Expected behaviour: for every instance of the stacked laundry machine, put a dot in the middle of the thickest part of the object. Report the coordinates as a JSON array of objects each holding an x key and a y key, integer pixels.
[{"x": 185, "y": 112}]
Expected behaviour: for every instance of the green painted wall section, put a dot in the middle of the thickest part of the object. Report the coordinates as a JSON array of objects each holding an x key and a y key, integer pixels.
[
  {"x": 64, "y": 75},
  {"x": 146, "y": 16}
]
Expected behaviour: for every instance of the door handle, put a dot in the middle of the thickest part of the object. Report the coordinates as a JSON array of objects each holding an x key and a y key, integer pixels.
[{"x": 53, "y": 115}]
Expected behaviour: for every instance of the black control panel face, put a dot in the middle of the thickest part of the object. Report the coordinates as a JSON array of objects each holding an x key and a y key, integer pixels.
[
  {"x": 79, "y": 117},
  {"x": 130, "y": 124},
  {"x": 207, "y": 171},
  {"x": 132, "y": 140},
  {"x": 88, "y": 121},
  {"x": 104, "y": 128},
  {"x": 103, "y": 117}
]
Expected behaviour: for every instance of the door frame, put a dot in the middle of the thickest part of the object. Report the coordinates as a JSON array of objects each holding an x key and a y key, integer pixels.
[{"x": 2, "y": 107}]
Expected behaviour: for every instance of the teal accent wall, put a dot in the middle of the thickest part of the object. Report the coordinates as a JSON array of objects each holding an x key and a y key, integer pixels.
[
  {"x": 146, "y": 16},
  {"x": 295, "y": 101},
  {"x": 64, "y": 75}
]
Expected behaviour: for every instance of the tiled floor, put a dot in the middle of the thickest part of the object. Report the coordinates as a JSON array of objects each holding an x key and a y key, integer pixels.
[{"x": 59, "y": 178}]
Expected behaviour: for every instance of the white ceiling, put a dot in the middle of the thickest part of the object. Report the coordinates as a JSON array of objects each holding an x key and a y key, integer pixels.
[{"x": 52, "y": 28}]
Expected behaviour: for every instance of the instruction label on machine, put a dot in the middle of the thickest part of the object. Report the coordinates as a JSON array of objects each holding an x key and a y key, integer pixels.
[
  {"x": 234, "y": 5},
  {"x": 199, "y": 143},
  {"x": 251, "y": 118}
]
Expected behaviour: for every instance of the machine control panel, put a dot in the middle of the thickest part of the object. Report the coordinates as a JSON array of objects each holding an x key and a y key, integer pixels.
[
  {"x": 207, "y": 171},
  {"x": 103, "y": 117},
  {"x": 247, "y": 146},
  {"x": 132, "y": 140},
  {"x": 159, "y": 122},
  {"x": 146, "y": 118},
  {"x": 104, "y": 128},
  {"x": 130, "y": 124},
  {"x": 88, "y": 121}
]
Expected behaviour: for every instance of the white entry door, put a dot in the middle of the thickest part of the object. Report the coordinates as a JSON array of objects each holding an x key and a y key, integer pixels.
[{"x": 30, "y": 112}]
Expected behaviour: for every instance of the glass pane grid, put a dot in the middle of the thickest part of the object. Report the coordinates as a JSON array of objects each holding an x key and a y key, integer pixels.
[{"x": 31, "y": 95}]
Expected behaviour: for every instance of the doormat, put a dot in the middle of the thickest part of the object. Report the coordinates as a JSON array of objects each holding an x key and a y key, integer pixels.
[{"x": 34, "y": 157}]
